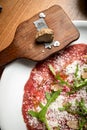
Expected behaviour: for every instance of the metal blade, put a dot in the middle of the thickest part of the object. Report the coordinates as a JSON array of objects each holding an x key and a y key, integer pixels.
[{"x": 40, "y": 23}]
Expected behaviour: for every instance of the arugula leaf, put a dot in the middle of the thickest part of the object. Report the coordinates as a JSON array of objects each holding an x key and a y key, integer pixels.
[
  {"x": 85, "y": 69},
  {"x": 78, "y": 82},
  {"x": 52, "y": 69},
  {"x": 41, "y": 105},
  {"x": 57, "y": 76},
  {"x": 61, "y": 108},
  {"x": 81, "y": 111},
  {"x": 62, "y": 82},
  {"x": 33, "y": 113},
  {"x": 82, "y": 122},
  {"x": 76, "y": 71},
  {"x": 82, "y": 83},
  {"x": 48, "y": 95},
  {"x": 81, "y": 108},
  {"x": 66, "y": 107},
  {"x": 77, "y": 85},
  {"x": 42, "y": 114}
]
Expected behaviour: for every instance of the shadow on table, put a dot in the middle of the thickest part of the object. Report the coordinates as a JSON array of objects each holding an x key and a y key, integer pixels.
[
  {"x": 82, "y": 4},
  {"x": 1, "y": 71}
]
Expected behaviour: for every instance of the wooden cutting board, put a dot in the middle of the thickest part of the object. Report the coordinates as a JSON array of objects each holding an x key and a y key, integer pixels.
[{"x": 24, "y": 44}]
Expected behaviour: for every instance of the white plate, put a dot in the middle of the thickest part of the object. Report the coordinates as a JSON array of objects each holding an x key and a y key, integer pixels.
[{"x": 12, "y": 84}]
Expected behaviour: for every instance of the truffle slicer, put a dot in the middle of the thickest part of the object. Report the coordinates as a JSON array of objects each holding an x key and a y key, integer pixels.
[{"x": 24, "y": 45}]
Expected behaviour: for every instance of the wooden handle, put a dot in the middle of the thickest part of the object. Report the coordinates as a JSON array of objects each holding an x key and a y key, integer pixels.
[{"x": 8, "y": 54}]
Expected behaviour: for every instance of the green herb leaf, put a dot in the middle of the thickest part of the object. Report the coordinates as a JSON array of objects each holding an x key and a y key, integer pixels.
[
  {"x": 78, "y": 82},
  {"x": 41, "y": 105},
  {"x": 81, "y": 108},
  {"x": 58, "y": 77},
  {"x": 61, "y": 108},
  {"x": 82, "y": 122},
  {"x": 52, "y": 69},
  {"x": 62, "y": 82},
  {"x": 41, "y": 115},
  {"x": 48, "y": 95},
  {"x": 81, "y": 84},
  {"x": 76, "y": 71},
  {"x": 85, "y": 69},
  {"x": 77, "y": 85},
  {"x": 33, "y": 113},
  {"x": 66, "y": 107},
  {"x": 80, "y": 111}
]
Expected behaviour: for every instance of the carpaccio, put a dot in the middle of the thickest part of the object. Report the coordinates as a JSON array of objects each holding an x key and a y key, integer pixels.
[{"x": 42, "y": 80}]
